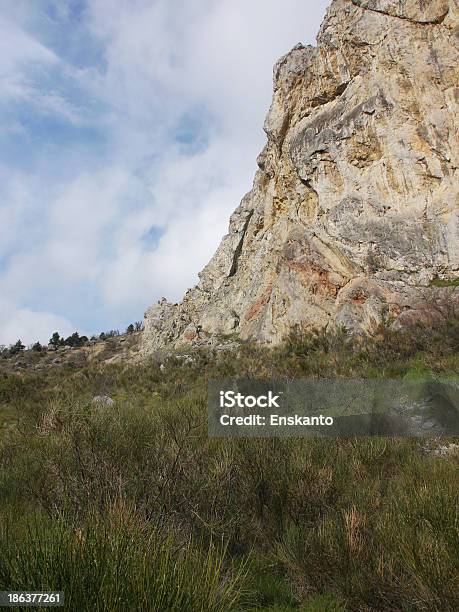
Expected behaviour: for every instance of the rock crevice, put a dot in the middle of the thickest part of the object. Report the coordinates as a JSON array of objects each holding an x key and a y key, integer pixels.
[{"x": 429, "y": 12}]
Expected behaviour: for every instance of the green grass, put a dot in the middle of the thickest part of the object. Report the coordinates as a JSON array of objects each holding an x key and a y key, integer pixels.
[
  {"x": 116, "y": 562},
  {"x": 134, "y": 507},
  {"x": 449, "y": 282}
]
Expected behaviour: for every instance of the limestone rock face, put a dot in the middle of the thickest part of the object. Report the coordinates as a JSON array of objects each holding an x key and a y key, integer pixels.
[{"x": 354, "y": 209}]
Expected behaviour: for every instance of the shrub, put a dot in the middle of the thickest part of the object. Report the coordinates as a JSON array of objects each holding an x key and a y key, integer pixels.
[
  {"x": 117, "y": 562},
  {"x": 16, "y": 348},
  {"x": 75, "y": 340},
  {"x": 355, "y": 524}
]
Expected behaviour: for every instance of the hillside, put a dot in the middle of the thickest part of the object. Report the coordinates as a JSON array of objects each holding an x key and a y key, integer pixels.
[
  {"x": 122, "y": 348},
  {"x": 113, "y": 491}
]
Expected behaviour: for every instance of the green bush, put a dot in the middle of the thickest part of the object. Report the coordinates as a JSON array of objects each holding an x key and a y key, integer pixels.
[
  {"x": 116, "y": 562},
  {"x": 133, "y": 506}
]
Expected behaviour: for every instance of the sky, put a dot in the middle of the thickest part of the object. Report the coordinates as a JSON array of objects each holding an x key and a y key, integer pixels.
[{"x": 129, "y": 131}]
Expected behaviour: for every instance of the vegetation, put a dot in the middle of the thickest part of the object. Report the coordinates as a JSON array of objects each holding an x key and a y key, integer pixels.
[
  {"x": 16, "y": 348},
  {"x": 445, "y": 282},
  {"x": 75, "y": 340},
  {"x": 57, "y": 342},
  {"x": 137, "y": 326},
  {"x": 134, "y": 507}
]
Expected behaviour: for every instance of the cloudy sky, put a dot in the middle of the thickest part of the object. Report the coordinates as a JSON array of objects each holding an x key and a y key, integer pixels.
[{"x": 129, "y": 131}]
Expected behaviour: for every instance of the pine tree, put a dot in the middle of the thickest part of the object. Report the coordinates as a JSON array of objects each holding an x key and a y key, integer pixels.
[
  {"x": 16, "y": 348},
  {"x": 55, "y": 341}
]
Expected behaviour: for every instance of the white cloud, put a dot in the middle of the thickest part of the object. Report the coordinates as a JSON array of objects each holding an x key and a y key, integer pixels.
[
  {"x": 20, "y": 51},
  {"x": 28, "y": 325},
  {"x": 24, "y": 64},
  {"x": 78, "y": 222}
]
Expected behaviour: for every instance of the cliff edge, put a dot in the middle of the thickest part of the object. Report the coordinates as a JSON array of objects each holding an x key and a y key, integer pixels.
[{"x": 354, "y": 209}]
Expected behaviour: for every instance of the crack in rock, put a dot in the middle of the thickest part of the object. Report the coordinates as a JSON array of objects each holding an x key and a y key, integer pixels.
[{"x": 363, "y": 4}]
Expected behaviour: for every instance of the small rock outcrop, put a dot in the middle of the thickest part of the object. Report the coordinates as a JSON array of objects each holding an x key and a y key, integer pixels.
[
  {"x": 103, "y": 400},
  {"x": 354, "y": 210}
]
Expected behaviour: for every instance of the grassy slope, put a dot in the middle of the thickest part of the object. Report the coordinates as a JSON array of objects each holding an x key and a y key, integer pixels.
[{"x": 134, "y": 507}]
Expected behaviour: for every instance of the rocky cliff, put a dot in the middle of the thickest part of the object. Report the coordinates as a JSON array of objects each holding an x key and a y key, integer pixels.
[{"x": 354, "y": 209}]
